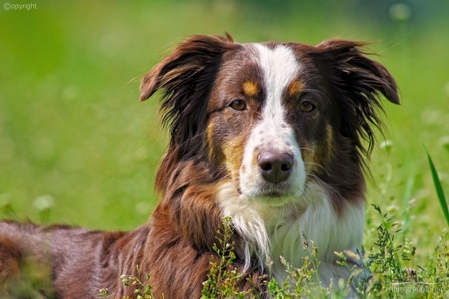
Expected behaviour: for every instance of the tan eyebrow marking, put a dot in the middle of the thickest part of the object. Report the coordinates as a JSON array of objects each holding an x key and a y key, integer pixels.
[
  {"x": 295, "y": 88},
  {"x": 250, "y": 88}
]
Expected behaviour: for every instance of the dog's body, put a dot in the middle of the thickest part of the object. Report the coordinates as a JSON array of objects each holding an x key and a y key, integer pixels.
[{"x": 267, "y": 134}]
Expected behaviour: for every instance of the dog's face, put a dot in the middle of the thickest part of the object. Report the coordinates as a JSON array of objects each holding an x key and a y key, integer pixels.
[
  {"x": 267, "y": 120},
  {"x": 271, "y": 117}
]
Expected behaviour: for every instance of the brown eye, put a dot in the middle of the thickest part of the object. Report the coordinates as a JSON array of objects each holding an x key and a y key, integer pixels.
[
  {"x": 306, "y": 106},
  {"x": 238, "y": 105}
]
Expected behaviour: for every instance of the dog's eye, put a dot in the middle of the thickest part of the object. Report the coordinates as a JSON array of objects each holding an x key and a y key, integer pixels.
[
  {"x": 238, "y": 105},
  {"x": 306, "y": 106}
]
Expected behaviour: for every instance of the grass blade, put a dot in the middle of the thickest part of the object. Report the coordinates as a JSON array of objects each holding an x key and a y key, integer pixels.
[{"x": 439, "y": 189}]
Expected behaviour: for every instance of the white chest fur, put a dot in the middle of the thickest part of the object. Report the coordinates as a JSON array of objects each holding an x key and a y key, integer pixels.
[{"x": 281, "y": 230}]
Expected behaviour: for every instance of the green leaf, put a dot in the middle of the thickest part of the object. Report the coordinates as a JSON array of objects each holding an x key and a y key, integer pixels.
[{"x": 439, "y": 189}]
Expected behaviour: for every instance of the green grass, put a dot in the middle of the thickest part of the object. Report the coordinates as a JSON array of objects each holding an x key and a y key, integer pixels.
[
  {"x": 76, "y": 147},
  {"x": 439, "y": 189}
]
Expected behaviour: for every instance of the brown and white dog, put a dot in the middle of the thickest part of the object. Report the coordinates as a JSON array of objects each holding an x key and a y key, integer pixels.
[{"x": 270, "y": 134}]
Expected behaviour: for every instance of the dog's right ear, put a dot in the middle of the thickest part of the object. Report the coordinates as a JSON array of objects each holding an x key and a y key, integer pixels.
[
  {"x": 186, "y": 76},
  {"x": 187, "y": 61}
]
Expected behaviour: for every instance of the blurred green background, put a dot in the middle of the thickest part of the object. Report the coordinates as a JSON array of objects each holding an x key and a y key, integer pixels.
[{"x": 76, "y": 147}]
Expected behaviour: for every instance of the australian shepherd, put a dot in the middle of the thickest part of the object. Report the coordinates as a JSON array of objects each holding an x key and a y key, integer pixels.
[{"x": 274, "y": 136}]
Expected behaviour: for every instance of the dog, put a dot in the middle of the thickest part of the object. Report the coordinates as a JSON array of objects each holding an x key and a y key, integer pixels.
[{"x": 274, "y": 136}]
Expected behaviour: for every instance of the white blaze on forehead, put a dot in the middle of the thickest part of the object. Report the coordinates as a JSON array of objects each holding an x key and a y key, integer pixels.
[{"x": 279, "y": 67}]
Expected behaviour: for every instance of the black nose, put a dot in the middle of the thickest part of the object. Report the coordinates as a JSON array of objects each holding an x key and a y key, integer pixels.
[{"x": 275, "y": 167}]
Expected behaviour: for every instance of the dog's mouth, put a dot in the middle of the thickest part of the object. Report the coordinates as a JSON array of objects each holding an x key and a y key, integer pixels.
[{"x": 269, "y": 193}]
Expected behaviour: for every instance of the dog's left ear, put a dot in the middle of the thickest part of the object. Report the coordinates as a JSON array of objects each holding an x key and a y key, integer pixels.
[{"x": 358, "y": 83}]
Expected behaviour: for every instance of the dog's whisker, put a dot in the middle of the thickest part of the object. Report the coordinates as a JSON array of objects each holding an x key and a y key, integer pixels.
[{"x": 318, "y": 165}]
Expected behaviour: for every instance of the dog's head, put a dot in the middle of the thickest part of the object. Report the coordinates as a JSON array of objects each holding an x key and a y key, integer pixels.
[{"x": 270, "y": 117}]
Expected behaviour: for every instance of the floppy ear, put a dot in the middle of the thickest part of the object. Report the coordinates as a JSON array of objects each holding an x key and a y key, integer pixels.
[
  {"x": 358, "y": 83},
  {"x": 185, "y": 64},
  {"x": 186, "y": 77}
]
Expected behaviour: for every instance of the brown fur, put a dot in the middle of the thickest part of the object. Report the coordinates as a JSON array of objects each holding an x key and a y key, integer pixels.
[{"x": 175, "y": 247}]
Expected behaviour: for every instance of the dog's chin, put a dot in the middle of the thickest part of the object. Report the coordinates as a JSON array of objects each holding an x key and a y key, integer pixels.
[
  {"x": 276, "y": 199},
  {"x": 272, "y": 197}
]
